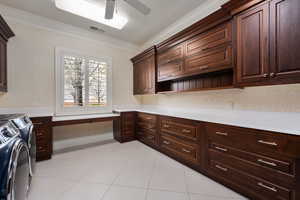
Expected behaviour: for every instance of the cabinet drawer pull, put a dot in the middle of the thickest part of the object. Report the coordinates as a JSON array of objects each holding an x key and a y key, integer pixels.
[
  {"x": 221, "y": 168},
  {"x": 186, "y": 131},
  {"x": 40, "y": 148},
  {"x": 204, "y": 67},
  {"x": 166, "y": 126},
  {"x": 267, "y": 143},
  {"x": 221, "y": 133},
  {"x": 267, "y": 163},
  {"x": 148, "y": 118},
  {"x": 221, "y": 149},
  {"x": 166, "y": 142},
  {"x": 185, "y": 150},
  {"x": 265, "y": 75},
  {"x": 272, "y": 74},
  {"x": 267, "y": 187}
]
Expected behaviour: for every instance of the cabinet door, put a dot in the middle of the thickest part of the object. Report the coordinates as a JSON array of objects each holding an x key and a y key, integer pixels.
[
  {"x": 209, "y": 61},
  {"x": 170, "y": 70},
  {"x": 149, "y": 75},
  {"x": 253, "y": 45},
  {"x": 144, "y": 76},
  {"x": 210, "y": 39},
  {"x": 175, "y": 53},
  {"x": 3, "y": 65},
  {"x": 137, "y": 78},
  {"x": 285, "y": 39}
]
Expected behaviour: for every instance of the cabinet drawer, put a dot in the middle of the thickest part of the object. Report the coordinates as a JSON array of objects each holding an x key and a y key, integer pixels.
[
  {"x": 144, "y": 125},
  {"x": 185, "y": 150},
  {"x": 42, "y": 146},
  {"x": 147, "y": 137},
  {"x": 172, "y": 54},
  {"x": 179, "y": 128},
  {"x": 215, "y": 37},
  {"x": 146, "y": 118},
  {"x": 40, "y": 134},
  {"x": 208, "y": 61},
  {"x": 170, "y": 70},
  {"x": 257, "y": 187},
  {"x": 273, "y": 164},
  {"x": 247, "y": 139}
]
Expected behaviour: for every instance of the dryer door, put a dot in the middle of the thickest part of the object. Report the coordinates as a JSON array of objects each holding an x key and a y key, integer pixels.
[{"x": 19, "y": 184}]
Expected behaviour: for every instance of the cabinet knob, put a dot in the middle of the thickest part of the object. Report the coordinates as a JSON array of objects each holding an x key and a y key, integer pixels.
[{"x": 265, "y": 75}]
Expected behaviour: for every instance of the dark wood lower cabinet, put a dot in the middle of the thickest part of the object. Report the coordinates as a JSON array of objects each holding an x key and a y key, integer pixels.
[
  {"x": 258, "y": 164},
  {"x": 146, "y": 129},
  {"x": 124, "y": 127},
  {"x": 42, "y": 127},
  {"x": 5, "y": 34}
]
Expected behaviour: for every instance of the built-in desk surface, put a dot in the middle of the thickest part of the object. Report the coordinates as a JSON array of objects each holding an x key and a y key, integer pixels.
[{"x": 80, "y": 119}]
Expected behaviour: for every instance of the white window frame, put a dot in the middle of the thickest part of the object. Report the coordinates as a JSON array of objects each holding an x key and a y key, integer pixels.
[{"x": 59, "y": 80}]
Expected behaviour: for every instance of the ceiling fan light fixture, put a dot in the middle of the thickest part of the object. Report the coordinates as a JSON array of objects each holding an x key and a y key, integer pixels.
[{"x": 92, "y": 11}]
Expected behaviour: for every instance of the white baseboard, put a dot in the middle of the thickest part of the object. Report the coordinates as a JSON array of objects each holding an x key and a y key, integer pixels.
[{"x": 73, "y": 142}]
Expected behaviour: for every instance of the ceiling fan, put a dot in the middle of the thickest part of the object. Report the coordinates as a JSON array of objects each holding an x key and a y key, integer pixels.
[{"x": 110, "y": 7}]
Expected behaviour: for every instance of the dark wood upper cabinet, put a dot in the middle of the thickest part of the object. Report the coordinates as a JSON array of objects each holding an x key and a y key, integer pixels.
[
  {"x": 209, "y": 51},
  {"x": 268, "y": 37},
  {"x": 170, "y": 63},
  {"x": 144, "y": 69},
  {"x": 5, "y": 34},
  {"x": 220, "y": 35},
  {"x": 252, "y": 29},
  {"x": 285, "y": 40},
  {"x": 247, "y": 42},
  {"x": 209, "y": 61}
]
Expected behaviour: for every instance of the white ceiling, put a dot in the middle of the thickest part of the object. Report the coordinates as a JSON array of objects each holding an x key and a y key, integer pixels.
[{"x": 139, "y": 29}]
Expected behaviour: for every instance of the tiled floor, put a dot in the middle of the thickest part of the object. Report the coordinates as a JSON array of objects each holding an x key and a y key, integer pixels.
[{"x": 130, "y": 171}]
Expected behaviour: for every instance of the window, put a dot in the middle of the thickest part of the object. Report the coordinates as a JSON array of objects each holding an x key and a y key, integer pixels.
[{"x": 83, "y": 83}]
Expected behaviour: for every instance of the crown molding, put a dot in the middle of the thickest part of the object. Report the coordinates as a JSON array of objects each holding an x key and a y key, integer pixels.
[{"x": 66, "y": 29}]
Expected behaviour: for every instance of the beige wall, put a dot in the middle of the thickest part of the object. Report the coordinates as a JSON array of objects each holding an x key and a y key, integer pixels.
[
  {"x": 31, "y": 57},
  {"x": 31, "y": 80},
  {"x": 284, "y": 98}
]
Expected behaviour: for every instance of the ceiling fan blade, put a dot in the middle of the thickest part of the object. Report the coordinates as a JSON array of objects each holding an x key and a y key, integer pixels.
[
  {"x": 110, "y": 8},
  {"x": 139, "y": 6}
]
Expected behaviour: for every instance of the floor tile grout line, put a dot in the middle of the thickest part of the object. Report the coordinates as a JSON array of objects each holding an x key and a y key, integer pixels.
[
  {"x": 112, "y": 183},
  {"x": 186, "y": 185},
  {"x": 152, "y": 173}
]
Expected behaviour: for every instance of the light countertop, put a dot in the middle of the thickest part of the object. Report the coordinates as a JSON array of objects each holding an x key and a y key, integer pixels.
[{"x": 283, "y": 122}]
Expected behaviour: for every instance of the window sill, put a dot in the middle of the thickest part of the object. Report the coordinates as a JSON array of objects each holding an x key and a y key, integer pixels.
[{"x": 79, "y": 117}]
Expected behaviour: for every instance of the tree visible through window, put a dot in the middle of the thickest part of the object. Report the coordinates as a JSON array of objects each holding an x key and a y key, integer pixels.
[{"x": 85, "y": 82}]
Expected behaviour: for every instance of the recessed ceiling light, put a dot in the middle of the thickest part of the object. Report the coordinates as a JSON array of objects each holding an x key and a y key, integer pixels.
[{"x": 92, "y": 11}]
